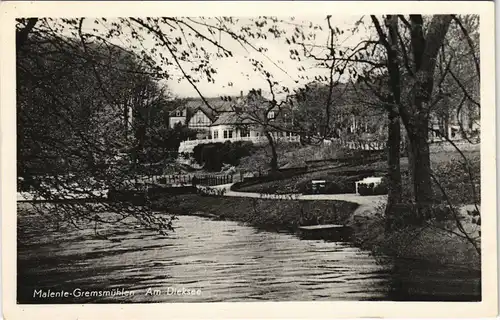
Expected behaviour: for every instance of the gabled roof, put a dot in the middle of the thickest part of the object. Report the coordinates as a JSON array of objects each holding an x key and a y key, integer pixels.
[
  {"x": 231, "y": 118},
  {"x": 222, "y": 111},
  {"x": 212, "y": 116},
  {"x": 217, "y": 105}
]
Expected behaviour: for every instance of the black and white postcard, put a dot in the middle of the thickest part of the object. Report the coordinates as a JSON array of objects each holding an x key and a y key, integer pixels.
[{"x": 248, "y": 159}]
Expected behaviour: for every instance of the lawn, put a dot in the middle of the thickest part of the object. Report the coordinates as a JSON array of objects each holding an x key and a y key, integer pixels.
[{"x": 447, "y": 166}]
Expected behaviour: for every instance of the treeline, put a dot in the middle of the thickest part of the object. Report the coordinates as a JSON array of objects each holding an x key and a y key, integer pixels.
[{"x": 80, "y": 105}]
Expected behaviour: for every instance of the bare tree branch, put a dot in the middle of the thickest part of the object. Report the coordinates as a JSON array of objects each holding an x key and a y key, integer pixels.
[{"x": 469, "y": 42}]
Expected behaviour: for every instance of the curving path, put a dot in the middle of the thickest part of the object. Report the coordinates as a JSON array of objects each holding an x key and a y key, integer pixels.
[
  {"x": 368, "y": 205},
  {"x": 371, "y": 201}
]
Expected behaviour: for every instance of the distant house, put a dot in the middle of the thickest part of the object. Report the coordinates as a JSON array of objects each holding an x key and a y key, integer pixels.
[
  {"x": 197, "y": 115},
  {"x": 239, "y": 119}
]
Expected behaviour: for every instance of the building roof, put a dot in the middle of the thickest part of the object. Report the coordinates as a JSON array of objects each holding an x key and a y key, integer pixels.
[
  {"x": 231, "y": 118},
  {"x": 222, "y": 111},
  {"x": 217, "y": 105}
]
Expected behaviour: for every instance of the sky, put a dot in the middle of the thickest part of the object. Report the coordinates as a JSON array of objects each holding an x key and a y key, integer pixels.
[
  {"x": 236, "y": 74},
  {"x": 235, "y": 69}
]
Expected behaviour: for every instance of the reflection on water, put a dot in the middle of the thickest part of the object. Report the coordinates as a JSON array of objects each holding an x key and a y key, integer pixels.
[{"x": 225, "y": 260}]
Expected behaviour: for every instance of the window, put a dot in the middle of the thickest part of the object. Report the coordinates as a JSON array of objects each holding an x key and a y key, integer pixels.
[
  {"x": 216, "y": 134},
  {"x": 271, "y": 115},
  {"x": 244, "y": 132},
  {"x": 178, "y": 113},
  {"x": 228, "y": 134}
]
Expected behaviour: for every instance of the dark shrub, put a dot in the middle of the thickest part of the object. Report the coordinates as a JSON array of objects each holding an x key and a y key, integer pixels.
[
  {"x": 211, "y": 157},
  {"x": 340, "y": 186},
  {"x": 304, "y": 186},
  {"x": 334, "y": 185},
  {"x": 214, "y": 155}
]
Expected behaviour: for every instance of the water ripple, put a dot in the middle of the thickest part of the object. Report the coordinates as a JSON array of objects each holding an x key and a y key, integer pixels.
[{"x": 226, "y": 260}]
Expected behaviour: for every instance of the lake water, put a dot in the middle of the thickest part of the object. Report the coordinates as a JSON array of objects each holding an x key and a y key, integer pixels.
[{"x": 225, "y": 261}]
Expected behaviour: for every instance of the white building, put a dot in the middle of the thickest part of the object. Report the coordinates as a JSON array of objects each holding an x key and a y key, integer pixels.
[
  {"x": 196, "y": 115},
  {"x": 226, "y": 120},
  {"x": 233, "y": 127},
  {"x": 229, "y": 125},
  {"x": 200, "y": 120},
  {"x": 177, "y": 117}
]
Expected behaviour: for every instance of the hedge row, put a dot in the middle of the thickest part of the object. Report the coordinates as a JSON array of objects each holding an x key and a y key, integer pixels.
[
  {"x": 138, "y": 197},
  {"x": 281, "y": 174},
  {"x": 214, "y": 155}
]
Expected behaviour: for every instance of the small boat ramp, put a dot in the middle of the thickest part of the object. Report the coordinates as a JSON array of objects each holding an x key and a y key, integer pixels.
[{"x": 331, "y": 232}]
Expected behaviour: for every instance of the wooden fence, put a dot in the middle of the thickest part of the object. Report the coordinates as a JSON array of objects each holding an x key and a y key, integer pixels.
[
  {"x": 187, "y": 179},
  {"x": 212, "y": 180}
]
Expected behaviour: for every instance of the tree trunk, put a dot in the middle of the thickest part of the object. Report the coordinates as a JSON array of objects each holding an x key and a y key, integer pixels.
[
  {"x": 23, "y": 34},
  {"x": 274, "y": 154},
  {"x": 416, "y": 118},
  {"x": 394, "y": 129},
  {"x": 409, "y": 154},
  {"x": 421, "y": 165},
  {"x": 393, "y": 160}
]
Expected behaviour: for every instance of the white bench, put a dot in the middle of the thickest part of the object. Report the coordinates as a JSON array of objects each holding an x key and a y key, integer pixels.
[
  {"x": 375, "y": 180},
  {"x": 317, "y": 185}
]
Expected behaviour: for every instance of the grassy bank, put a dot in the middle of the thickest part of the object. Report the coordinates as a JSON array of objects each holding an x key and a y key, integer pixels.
[
  {"x": 265, "y": 213},
  {"x": 434, "y": 242}
]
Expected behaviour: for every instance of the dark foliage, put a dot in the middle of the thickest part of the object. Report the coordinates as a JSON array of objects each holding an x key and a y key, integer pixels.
[
  {"x": 406, "y": 214},
  {"x": 86, "y": 117},
  {"x": 454, "y": 178},
  {"x": 161, "y": 146},
  {"x": 214, "y": 155}
]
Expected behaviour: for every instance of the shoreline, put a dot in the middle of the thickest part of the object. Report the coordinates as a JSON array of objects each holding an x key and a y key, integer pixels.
[
  {"x": 269, "y": 214},
  {"x": 366, "y": 224}
]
